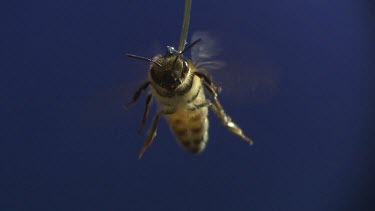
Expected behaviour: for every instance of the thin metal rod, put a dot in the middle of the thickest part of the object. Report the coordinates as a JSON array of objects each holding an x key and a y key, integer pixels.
[
  {"x": 143, "y": 58},
  {"x": 185, "y": 26}
]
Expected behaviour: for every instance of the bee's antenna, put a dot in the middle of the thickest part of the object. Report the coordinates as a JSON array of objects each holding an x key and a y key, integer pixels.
[
  {"x": 143, "y": 58},
  {"x": 190, "y": 46},
  {"x": 174, "y": 62},
  {"x": 186, "y": 49}
]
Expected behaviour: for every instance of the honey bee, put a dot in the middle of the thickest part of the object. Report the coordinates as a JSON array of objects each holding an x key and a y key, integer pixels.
[{"x": 179, "y": 86}]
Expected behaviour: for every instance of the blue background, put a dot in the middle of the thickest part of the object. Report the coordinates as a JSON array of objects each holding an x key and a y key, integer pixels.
[{"x": 299, "y": 80}]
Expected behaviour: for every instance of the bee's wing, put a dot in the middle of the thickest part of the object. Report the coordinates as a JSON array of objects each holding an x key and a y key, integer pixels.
[
  {"x": 204, "y": 53},
  {"x": 239, "y": 79},
  {"x": 249, "y": 83}
]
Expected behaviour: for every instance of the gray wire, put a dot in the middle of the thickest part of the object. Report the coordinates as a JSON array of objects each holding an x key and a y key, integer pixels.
[{"x": 185, "y": 26}]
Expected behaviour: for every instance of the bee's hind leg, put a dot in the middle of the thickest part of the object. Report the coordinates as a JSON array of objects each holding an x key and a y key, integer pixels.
[
  {"x": 224, "y": 118},
  {"x": 152, "y": 132}
]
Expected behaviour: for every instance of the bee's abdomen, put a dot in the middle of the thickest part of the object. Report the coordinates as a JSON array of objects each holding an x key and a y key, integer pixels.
[{"x": 190, "y": 128}]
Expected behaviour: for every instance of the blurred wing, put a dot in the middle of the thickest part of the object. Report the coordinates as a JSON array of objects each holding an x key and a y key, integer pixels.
[
  {"x": 249, "y": 83},
  {"x": 204, "y": 53},
  {"x": 240, "y": 80}
]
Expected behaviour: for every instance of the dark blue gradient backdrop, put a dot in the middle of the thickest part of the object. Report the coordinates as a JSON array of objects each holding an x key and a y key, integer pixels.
[{"x": 298, "y": 79}]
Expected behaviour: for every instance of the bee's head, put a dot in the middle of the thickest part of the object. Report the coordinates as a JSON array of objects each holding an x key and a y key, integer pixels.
[
  {"x": 172, "y": 71},
  {"x": 168, "y": 71}
]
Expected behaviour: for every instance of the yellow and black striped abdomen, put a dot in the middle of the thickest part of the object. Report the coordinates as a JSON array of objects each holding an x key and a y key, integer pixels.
[{"x": 190, "y": 128}]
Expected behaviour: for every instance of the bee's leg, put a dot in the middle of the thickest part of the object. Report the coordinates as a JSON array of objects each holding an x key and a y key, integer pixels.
[
  {"x": 198, "y": 106},
  {"x": 152, "y": 132},
  {"x": 145, "y": 113},
  {"x": 224, "y": 118},
  {"x": 205, "y": 78},
  {"x": 137, "y": 94}
]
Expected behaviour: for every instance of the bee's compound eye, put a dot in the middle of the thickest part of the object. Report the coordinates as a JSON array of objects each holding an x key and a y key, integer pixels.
[
  {"x": 185, "y": 69},
  {"x": 154, "y": 74}
]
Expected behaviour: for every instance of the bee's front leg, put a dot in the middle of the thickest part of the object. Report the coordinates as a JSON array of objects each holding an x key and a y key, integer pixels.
[
  {"x": 224, "y": 118},
  {"x": 152, "y": 132},
  {"x": 138, "y": 93},
  {"x": 198, "y": 106},
  {"x": 145, "y": 112},
  {"x": 207, "y": 80}
]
